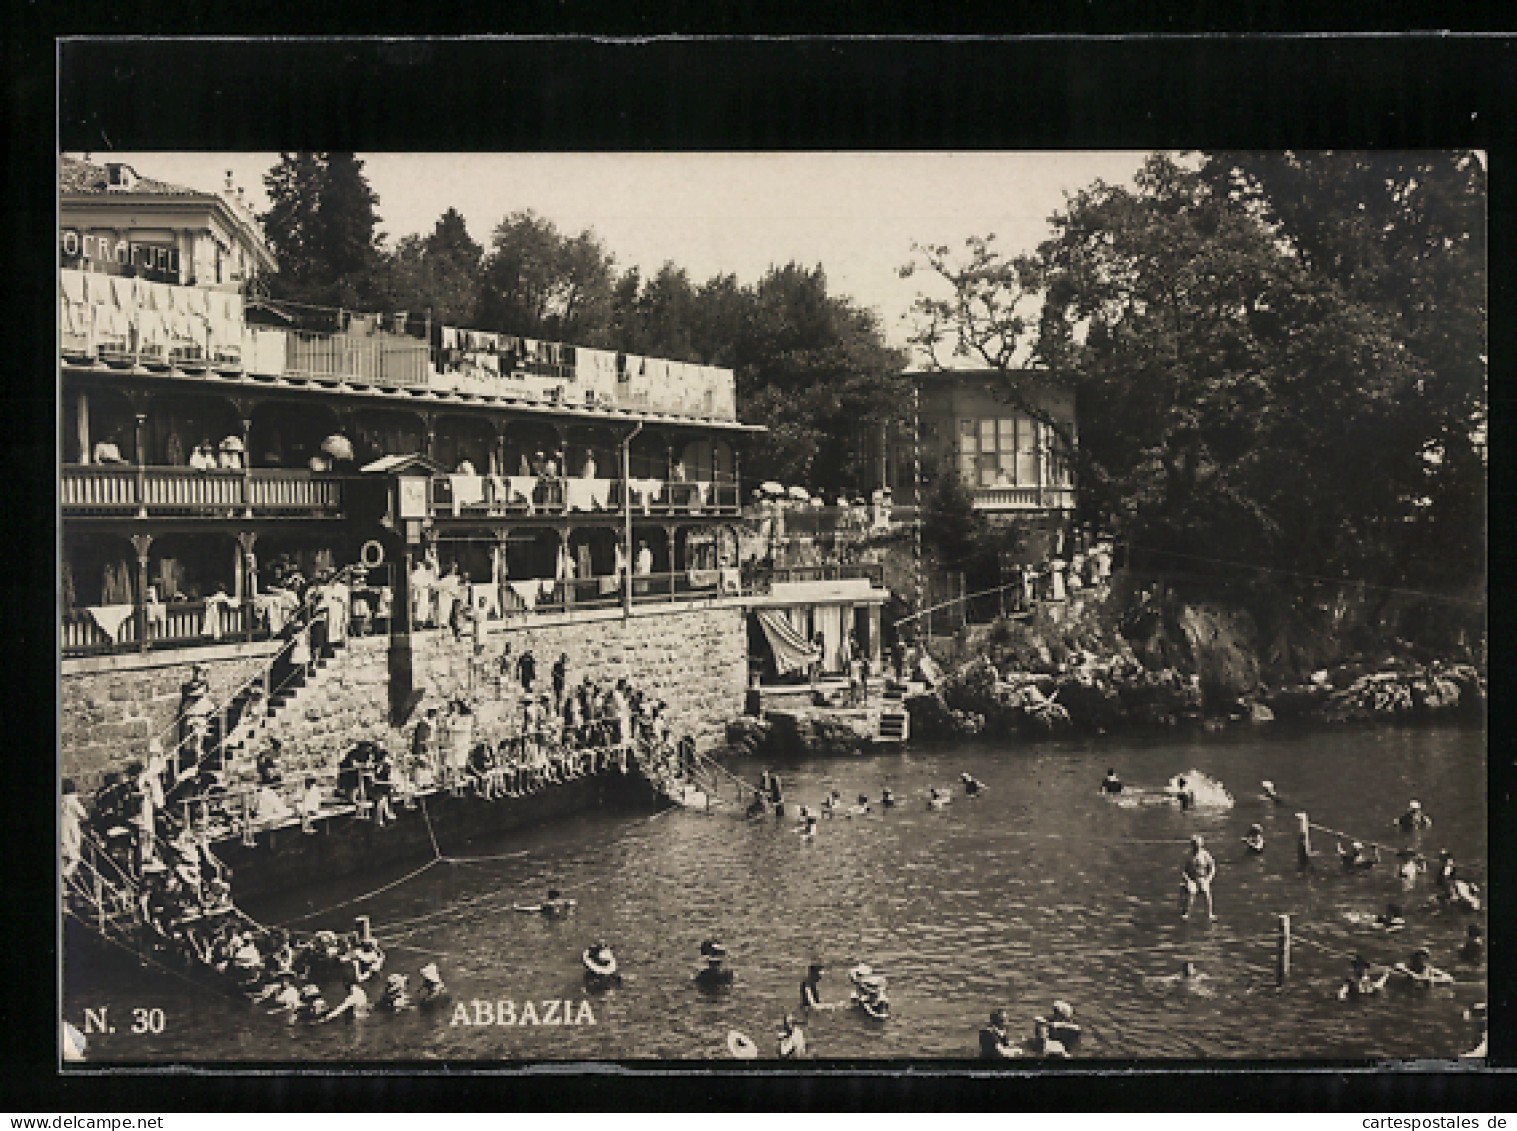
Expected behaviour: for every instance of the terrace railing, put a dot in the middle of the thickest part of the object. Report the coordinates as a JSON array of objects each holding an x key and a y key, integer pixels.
[{"x": 103, "y": 490}]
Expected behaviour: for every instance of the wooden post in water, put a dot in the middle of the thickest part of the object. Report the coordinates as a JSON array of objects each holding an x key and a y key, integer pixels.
[
  {"x": 1283, "y": 963},
  {"x": 1303, "y": 842}
]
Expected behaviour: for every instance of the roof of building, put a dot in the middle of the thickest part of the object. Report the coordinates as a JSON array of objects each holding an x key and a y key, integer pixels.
[{"x": 83, "y": 177}]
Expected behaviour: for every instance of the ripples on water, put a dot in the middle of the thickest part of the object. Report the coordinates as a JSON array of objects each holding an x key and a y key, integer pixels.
[{"x": 1041, "y": 889}]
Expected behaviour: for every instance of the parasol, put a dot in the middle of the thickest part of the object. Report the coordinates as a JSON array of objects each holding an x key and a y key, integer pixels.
[
  {"x": 770, "y": 487},
  {"x": 337, "y": 446},
  {"x": 799, "y": 494}
]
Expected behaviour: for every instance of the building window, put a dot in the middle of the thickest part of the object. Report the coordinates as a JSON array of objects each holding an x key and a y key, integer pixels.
[{"x": 988, "y": 452}]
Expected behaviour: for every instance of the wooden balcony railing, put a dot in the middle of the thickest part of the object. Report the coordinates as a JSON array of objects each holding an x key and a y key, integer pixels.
[
  {"x": 176, "y": 491},
  {"x": 1022, "y": 498},
  {"x": 177, "y": 624},
  {"x": 474, "y": 496}
]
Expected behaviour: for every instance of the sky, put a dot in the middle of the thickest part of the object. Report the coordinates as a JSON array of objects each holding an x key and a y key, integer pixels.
[{"x": 856, "y": 214}]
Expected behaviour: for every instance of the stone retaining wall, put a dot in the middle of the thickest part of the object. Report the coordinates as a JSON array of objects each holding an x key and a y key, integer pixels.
[
  {"x": 109, "y": 709},
  {"x": 695, "y": 659}
]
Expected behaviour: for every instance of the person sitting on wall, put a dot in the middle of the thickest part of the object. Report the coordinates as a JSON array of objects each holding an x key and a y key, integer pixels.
[{"x": 482, "y": 765}]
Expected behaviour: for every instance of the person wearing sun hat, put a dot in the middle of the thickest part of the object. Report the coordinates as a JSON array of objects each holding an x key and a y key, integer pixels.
[
  {"x": 394, "y": 999},
  {"x": 1062, "y": 1027},
  {"x": 1254, "y": 841},
  {"x": 600, "y": 966},
  {"x": 432, "y": 988},
  {"x": 714, "y": 976}
]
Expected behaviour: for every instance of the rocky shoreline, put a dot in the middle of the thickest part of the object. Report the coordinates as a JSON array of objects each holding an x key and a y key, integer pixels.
[{"x": 1116, "y": 659}]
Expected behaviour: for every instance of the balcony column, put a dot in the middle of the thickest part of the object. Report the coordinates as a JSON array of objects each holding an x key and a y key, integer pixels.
[
  {"x": 564, "y": 573},
  {"x": 140, "y": 451},
  {"x": 429, "y": 422},
  {"x": 737, "y": 479},
  {"x": 670, "y": 532},
  {"x": 246, "y": 577},
  {"x": 247, "y": 467},
  {"x": 498, "y": 453},
  {"x": 84, "y": 427},
  {"x": 142, "y": 543}
]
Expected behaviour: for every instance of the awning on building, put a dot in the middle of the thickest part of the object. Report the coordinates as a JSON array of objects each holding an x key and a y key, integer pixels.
[{"x": 792, "y": 652}]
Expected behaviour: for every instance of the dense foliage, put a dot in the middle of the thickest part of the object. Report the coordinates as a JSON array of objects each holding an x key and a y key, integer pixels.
[{"x": 1278, "y": 359}]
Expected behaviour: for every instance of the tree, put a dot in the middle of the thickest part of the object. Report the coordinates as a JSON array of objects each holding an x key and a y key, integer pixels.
[
  {"x": 320, "y": 226},
  {"x": 438, "y": 272},
  {"x": 1403, "y": 234},
  {"x": 540, "y": 283},
  {"x": 814, "y": 368},
  {"x": 1236, "y": 398}
]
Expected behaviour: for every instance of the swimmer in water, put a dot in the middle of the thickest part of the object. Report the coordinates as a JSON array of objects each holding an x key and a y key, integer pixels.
[
  {"x": 1270, "y": 793},
  {"x": 861, "y": 808},
  {"x": 995, "y": 1042},
  {"x": 1062, "y": 1027},
  {"x": 1186, "y": 797},
  {"x": 1188, "y": 978},
  {"x": 1414, "y": 819},
  {"x": 1199, "y": 871},
  {"x": 1254, "y": 841},
  {"x": 887, "y": 799},
  {"x": 938, "y": 797},
  {"x": 1420, "y": 973},
  {"x": 811, "y": 991},
  {"x": 554, "y": 907},
  {"x": 973, "y": 786},
  {"x": 792, "y": 1042},
  {"x": 1392, "y": 919},
  {"x": 394, "y": 999},
  {"x": 432, "y": 988},
  {"x": 808, "y": 824},
  {"x": 1473, "y": 950},
  {"x": 1111, "y": 783},
  {"x": 714, "y": 976},
  {"x": 1355, "y": 858},
  {"x": 1410, "y": 864},
  {"x": 355, "y": 1005},
  {"x": 1042, "y": 1043},
  {"x": 1360, "y": 982},
  {"x": 832, "y": 803}
]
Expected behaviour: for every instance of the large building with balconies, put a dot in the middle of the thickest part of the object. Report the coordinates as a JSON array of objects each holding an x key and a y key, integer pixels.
[{"x": 209, "y": 446}]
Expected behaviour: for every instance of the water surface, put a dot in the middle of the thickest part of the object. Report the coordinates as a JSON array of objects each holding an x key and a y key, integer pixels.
[{"x": 1040, "y": 889}]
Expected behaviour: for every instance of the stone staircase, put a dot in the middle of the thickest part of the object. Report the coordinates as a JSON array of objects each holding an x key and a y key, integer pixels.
[{"x": 275, "y": 716}]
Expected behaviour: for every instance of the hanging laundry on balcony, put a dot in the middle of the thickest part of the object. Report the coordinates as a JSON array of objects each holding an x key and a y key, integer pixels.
[
  {"x": 109, "y": 618},
  {"x": 73, "y": 286},
  {"x": 468, "y": 491},
  {"x": 522, "y": 489},
  {"x": 484, "y": 599}
]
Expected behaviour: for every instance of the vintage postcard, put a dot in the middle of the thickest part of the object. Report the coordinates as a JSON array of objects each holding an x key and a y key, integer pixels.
[{"x": 984, "y": 606}]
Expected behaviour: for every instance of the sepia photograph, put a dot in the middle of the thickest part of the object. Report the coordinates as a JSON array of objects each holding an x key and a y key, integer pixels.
[{"x": 974, "y": 605}]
